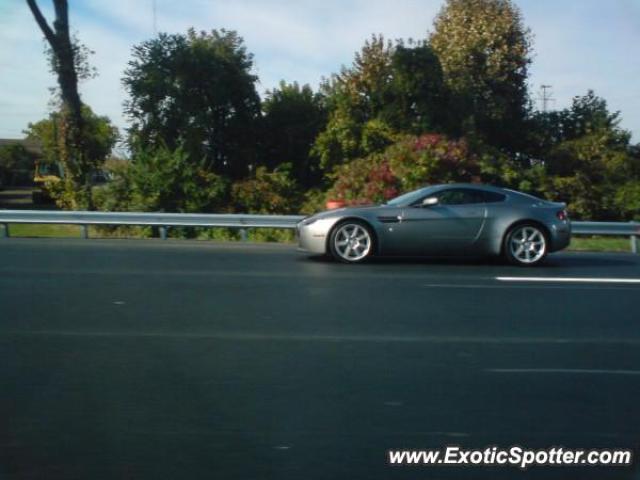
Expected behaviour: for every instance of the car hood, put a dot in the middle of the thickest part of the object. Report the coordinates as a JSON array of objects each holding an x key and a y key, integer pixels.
[{"x": 341, "y": 212}]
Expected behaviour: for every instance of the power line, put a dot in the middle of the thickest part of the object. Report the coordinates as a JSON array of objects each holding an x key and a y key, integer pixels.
[{"x": 545, "y": 96}]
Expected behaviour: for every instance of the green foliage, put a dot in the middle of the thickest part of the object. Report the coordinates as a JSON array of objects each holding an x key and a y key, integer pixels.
[
  {"x": 588, "y": 114},
  {"x": 390, "y": 89},
  {"x": 81, "y": 54},
  {"x": 271, "y": 235},
  {"x": 16, "y": 164},
  {"x": 585, "y": 160},
  {"x": 100, "y": 136},
  {"x": 293, "y": 117},
  {"x": 598, "y": 181},
  {"x": 314, "y": 201},
  {"x": 485, "y": 50},
  {"x": 422, "y": 99},
  {"x": 627, "y": 200},
  {"x": 413, "y": 162},
  {"x": 163, "y": 180},
  {"x": 266, "y": 192},
  {"x": 197, "y": 91},
  {"x": 116, "y": 196}
]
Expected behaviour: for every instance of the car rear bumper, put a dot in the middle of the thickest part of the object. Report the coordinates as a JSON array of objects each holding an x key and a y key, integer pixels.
[{"x": 560, "y": 236}]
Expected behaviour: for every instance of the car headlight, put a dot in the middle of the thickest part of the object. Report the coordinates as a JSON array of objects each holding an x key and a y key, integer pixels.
[{"x": 308, "y": 221}]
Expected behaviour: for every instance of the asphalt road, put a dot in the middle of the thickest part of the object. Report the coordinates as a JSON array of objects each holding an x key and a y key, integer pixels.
[{"x": 151, "y": 360}]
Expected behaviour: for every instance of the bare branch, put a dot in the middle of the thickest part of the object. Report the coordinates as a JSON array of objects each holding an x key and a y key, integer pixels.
[{"x": 42, "y": 23}]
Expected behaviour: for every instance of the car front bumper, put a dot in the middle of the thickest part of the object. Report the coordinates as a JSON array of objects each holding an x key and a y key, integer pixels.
[{"x": 312, "y": 237}]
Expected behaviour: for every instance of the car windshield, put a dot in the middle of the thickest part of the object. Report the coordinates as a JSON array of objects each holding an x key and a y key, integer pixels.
[{"x": 411, "y": 197}]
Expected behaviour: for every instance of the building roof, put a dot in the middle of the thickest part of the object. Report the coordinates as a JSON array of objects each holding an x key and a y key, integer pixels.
[{"x": 32, "y": 146}]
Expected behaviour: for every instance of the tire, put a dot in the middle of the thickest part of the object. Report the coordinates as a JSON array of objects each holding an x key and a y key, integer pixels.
[
  {"x": 526, "y": 245},
  {"x": 352, "y": 241}
]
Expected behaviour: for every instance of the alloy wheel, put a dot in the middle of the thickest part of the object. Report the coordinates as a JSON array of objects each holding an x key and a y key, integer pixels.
[
  {"x": 352, "y": 242},
  {"x": 527, "y": 244}
]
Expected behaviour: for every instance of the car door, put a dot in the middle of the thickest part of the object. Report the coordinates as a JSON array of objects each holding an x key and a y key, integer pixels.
[{"x": 451, "y": 226}]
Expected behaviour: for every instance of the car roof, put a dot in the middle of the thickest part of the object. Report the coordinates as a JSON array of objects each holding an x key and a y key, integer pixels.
[{"x": 478, "y": 186}]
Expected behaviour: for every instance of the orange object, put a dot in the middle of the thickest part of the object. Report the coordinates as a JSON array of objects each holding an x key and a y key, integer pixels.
[{"x": 333, "y": 204}]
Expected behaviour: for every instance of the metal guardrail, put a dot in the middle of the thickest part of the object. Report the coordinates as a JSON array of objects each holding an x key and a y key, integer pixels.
[
  {"x": 160, "y": 219},
  {"x": 621, "y": 229},
  {"x": 605, "y": 228},
  {"x": 240, "y": 221}
]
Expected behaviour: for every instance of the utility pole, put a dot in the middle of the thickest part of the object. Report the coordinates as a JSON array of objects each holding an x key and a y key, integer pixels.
[{"x": 545, "y": 96}]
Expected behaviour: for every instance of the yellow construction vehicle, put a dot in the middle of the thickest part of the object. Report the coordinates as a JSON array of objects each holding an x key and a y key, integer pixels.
[{"x": 45, "y": 172}]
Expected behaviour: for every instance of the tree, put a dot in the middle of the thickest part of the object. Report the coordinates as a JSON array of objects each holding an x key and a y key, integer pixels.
[
  {"x": 16, "y": 164},
  {"x": 588, "y": 114},
  {"x": 99, "y": 136},
  {"x": 390, "y": 89},
  {"x": 357, "y": 98},
  {"x": 73, "y": 153},
  {"x": 195, "y": 90},
  {"x": 599, "y": 181},
  {"x": 584, "y": 157},
  {"x": 422, "y": 103},
  {"x": 83, "y": 67},
  {"x": 484, "y": 50},
  {"x": 293, "y": 117}
]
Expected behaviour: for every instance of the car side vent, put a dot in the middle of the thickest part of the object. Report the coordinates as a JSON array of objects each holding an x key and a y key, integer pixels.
[{"x": 388, "y": 219}]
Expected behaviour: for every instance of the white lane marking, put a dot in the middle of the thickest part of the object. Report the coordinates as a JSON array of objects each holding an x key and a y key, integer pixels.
[
  {"x": 569, "y": 279},
  {"x": 590, "y": 371},
  {"x": 523, "y": 286}
]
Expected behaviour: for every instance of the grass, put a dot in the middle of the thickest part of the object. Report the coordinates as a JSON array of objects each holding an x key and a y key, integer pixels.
[
  {"x": 595, "y": 243},
  {"x": 41, "y": 230},
  {"x": 70, "y": 231},
  {"x": 581, "y": 243},
  {"x": 214, "y": 234}
]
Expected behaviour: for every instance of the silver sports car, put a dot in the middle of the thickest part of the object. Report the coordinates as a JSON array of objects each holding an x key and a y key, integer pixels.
[{"x": 453, "y": 219}]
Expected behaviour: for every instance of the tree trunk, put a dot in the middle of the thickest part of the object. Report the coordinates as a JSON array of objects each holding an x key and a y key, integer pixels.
[{"x": 77, "y": 163}]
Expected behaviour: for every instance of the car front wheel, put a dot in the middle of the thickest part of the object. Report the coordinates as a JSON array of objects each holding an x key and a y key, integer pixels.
[
  {"x": 525, "y": 245},
  {"x": 351, "y": 242}
]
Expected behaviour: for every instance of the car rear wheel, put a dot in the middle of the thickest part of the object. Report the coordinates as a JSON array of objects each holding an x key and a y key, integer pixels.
[
  {"x": 351, "y": 242},
  {"x": 526, "y": 245}
]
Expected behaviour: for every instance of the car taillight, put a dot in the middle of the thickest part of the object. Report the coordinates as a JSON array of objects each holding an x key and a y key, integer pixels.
[{"x": 562, "y": 215}]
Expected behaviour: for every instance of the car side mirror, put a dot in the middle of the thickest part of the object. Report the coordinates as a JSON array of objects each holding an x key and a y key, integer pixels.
[{"x": 430, "y": 201}]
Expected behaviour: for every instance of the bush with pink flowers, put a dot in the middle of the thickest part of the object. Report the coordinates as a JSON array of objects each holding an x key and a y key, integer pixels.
[{"x": 411, "y": 163}]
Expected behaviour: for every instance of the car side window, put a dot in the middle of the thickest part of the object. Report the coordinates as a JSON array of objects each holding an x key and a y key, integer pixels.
[
  {"x": 493, "y": 197},
  {"x": 460, "y": 196}
]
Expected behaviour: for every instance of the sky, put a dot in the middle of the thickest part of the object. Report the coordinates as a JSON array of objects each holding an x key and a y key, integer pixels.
[{"x": 578, "y": 45}]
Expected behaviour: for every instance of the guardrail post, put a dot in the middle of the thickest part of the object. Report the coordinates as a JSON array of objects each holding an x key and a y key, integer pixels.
[
  {"x": 633, "y": 239},
  {"x": 163, "y": 232},
  {"x": 84, "y": 231},
  {"x": 4, "y": 230},
  {"x": 243, "y": 234}
]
